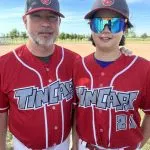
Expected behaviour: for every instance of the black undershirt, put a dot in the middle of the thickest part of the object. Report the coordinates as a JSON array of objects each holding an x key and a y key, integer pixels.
[{"x": 45, "y": 59}]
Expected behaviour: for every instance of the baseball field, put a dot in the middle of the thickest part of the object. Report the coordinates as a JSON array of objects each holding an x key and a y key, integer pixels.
[{"x": 138, "y": 48}]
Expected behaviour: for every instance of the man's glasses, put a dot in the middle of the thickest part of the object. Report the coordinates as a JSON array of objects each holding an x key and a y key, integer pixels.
[{"x": 115, "y": 25}]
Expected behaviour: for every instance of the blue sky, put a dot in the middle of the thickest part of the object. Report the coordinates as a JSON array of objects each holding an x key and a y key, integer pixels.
[{"x": 74, "y": 10}]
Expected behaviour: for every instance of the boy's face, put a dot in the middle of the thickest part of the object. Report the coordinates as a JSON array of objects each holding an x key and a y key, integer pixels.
[{"x": 107, "y": 39}]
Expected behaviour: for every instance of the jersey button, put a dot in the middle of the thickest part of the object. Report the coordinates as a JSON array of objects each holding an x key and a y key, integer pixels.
[
  {"x": 101, "y": 130},
  {"x": 56, "y": 128},
  {"x": 47, "y": 69},
  {"x": 49, "y": 80},
  {"x": 102, "y": 74},
  {"x": 100, "y": 111},
  {"x": 53, "y": 107},
  {"x": 101, "y": 85}
]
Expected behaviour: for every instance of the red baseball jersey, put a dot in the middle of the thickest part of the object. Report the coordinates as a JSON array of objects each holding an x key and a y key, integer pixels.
[
  {"x": 38, "y": 95},
  {"x": 109, "y": 98}
]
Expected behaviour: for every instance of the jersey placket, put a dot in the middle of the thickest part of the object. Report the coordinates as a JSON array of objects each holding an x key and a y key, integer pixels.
[
  {"x": 54, "y": 129},
  {"x": 101, "y": 129},
  {"x": 52, "y": 75}
]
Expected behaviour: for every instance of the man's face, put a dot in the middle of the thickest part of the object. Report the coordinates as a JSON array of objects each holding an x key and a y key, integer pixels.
[{"x": 42, "y": 27}]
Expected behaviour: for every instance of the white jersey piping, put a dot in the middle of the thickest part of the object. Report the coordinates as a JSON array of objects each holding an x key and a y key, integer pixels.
[
  {"x": 4, "y": 108},
  {"x": 111, "y": 84},
  {"x": 146, "y": 110},
  {"x": 62, "y": 111},
  {"x": 93, "y": 116},
  {"x": 41, "y": 82}
]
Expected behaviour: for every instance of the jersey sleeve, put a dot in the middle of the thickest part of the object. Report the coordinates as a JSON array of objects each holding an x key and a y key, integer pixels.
[
  {"x": 4, "y": 103},
  {"x": 146, "y": 95}
]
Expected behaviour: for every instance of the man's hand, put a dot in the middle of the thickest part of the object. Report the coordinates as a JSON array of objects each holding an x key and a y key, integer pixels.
[{"x": 125, "y": 51}]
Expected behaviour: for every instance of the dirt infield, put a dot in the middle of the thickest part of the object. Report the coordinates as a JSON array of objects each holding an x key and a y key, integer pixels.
[{"x": 139, "y": 49}]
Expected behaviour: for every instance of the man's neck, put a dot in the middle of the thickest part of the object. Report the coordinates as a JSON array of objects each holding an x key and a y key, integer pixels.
[
  {"x": 107, "y": 55},
  {"x": 40, "y": 50}
]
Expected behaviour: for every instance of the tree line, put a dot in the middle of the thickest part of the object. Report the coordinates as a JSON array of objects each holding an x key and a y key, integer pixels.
[{"x": 14, "y": 33}]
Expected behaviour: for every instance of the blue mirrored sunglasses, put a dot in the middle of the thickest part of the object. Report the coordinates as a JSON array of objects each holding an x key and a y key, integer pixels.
[{"x": 115, "y": 25}]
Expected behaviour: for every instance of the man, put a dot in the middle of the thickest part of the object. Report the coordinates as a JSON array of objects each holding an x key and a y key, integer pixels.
[
  {"x": 36, "y": 89},
  {"x": 111, "y": 87}
]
